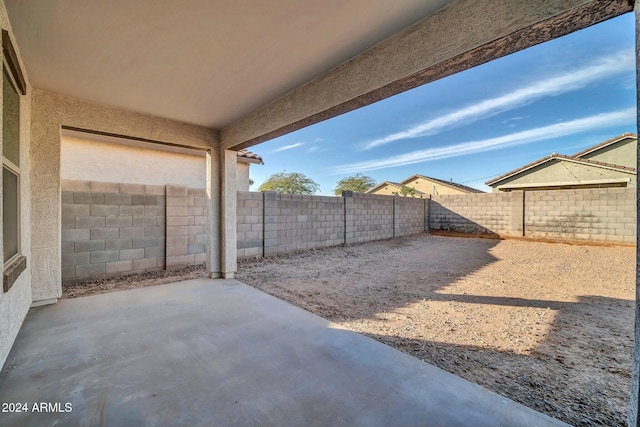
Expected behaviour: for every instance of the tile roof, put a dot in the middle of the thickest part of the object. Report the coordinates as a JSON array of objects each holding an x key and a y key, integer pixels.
[
  {"x": 606, "y": 143},
  {"x": 382, "y": 184},
  {"x": 246, "y": 154},
  {"x": 447, "y": 183}
]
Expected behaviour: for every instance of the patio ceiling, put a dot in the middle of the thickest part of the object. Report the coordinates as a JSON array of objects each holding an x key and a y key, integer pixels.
[{"x": 198, "y": 61}]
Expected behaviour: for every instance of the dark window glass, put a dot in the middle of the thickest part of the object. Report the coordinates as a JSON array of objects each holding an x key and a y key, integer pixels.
[
  {"x": 10, "y": 190},
  {"x": 10, "y": 120}
]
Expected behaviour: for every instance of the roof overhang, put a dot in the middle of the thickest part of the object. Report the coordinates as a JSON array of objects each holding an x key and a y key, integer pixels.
[
  {"x": 255, "y": 70},
  {"x": 560, "y": 158},
  {"x": 585, "y": 183},
  {"x": 197, "y": 61}
]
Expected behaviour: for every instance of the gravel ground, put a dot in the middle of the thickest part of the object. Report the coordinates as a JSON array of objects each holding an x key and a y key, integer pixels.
[{"x": 548, "y": 325}]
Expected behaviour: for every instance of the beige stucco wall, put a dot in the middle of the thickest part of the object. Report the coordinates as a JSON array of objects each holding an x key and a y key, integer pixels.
[
  {"x": 387, "y": 190},
  {"x": 86, "y": 159},
  {"x": 621, "y": 153},
  {"x": 242, "y": 176},
  {"x": 15, "y": 303},
  {"x": 51, "y": 111},
  {"x": 432, "y": 187},
  {"x": 90, "y": 160},
  {"x": 557, "y": 171}
]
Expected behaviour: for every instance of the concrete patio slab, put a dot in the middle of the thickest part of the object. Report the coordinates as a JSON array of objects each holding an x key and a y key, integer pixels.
[{"x": 218, "y": 353}]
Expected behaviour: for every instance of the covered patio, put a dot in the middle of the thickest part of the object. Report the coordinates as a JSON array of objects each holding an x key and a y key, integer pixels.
[
  {"x": 218, "y": 352},
  {"x": 219, "y": 77}
]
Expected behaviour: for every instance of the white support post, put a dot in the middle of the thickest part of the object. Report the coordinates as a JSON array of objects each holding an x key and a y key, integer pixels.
[
  {"x": 229, "y": 248},
  {"x": 213, "y": 213}
]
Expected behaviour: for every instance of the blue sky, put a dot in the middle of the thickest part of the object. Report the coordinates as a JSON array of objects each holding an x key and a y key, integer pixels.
[{"x": 561, "y": 96}]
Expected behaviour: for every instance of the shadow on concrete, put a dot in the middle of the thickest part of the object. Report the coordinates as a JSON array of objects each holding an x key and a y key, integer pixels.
[{"x": 205, "y": 352}]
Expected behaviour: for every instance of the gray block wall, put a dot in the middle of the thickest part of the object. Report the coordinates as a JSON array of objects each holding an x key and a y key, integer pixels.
[
  {"x": 307, "y": 222},
  {"x": 368, "y": 217},
  {"x": 186, "y": 223},
  {"x": 113, "y": 229},
  {"x": 410, "y": 216},
  {"x": 250, "y": 224},
  {"x": 482, "y": 213},
  {"x": 597, "y": 214},
  {"x": 270, "y": 223},
  {"x": 110, "y": 229}
]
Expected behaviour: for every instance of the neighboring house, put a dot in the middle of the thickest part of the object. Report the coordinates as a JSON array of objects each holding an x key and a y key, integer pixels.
[
  {"x": 389, "y": 188},
  {"x": 110, "y": 159},
  {"x": 245, "y": 159},
  {"x": 425, "y": 186},
  {"x": 608, "y": 164}
]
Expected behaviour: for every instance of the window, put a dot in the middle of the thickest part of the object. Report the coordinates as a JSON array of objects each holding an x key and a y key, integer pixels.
[
  {"x": 13, "y": 87},
  {"x": 10, "y": 167}
]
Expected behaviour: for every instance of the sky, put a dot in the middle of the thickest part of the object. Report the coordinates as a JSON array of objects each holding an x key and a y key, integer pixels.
[{"x": 561, "y": 96}]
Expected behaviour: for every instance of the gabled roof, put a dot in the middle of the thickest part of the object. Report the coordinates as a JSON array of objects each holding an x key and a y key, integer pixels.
[
  {"x": 382, "y": 184},
  {"x": 446, "y": 183},
  {"x": 600, "y": 146},
  {"x": 561, "y": 157},
  {"x": 249, "y": 157}
]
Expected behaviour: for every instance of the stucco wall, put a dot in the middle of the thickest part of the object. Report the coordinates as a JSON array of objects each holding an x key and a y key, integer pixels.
[
  {"x": 387, "y": 190},
  {"x": 621, "y": 153},
  {"x": 432, "y": 187},
  {"x": 242, "y": 176},
  {"x": 84, "y": 159},
  {"x": 556, "y": 171},
  {"x": 15, "y": 303}
]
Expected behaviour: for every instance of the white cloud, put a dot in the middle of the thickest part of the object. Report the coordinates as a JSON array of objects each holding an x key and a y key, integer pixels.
[
  {"x": 570, "y": 81},
  {"x": 524, "y": 137},
  {"x": 289, "y": 147}
]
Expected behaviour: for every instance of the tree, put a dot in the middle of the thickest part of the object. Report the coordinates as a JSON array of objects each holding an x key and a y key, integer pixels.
[
  {"x": 358, "y": 183},
  {"x": 406, "y": 191},
  {"x": 290, "y": 183}
]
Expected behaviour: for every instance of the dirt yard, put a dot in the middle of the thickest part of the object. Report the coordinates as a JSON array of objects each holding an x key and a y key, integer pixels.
[{"x": 548, "y": 325}]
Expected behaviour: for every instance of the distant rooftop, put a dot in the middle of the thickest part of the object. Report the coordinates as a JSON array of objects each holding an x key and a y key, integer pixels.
[
  {"x": 577, "y": 157},
  {"x": 250, "y": 157}
]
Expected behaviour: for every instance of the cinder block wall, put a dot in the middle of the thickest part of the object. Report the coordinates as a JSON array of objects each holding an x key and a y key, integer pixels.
[
  {"x": 410, "y": 216},
  {"x": 369, "y": 217},
  {"x": 308, "y": 222},
  {"x": 109, "y": 229},
  {"x": 270, "y": 223},
  {"x": 482, "y": 213},
  {"x": 186, "y": 222},
  {"x": 250, "y": 224},
  {"x": 598, "y": 214},
  {"x": 112, "y": 229}
]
